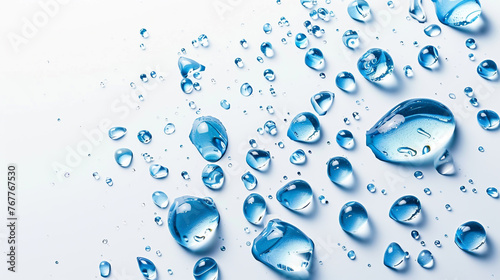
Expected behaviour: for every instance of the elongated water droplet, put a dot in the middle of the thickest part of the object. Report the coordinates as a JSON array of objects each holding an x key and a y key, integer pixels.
[
  {"x": 123, "y": 157},
  {"x": 308, "y": 3},
  {"x": 406, "y": 208},
  {"x": 249, "y": 180},
  {"x": 259, "y": 160},
  {"x": 315, "y": 59},
  {"x": 158, "y": 171},
  {"x": 296, "y": 195},
  {"x": 394, "y": 255},
  {"x": 105, "y": 268},
  {"x": 359, "y": 10},
  {"x": 116, "y": 133},
  {"x": 160, "y": 199},
  {"x": 375, "y": 65},
  {"x": 206, "y": 269},
  {"x": 417, "y": 11},
  {"x": 209, "y": 136},
  {"x": 470, "y": 236},
  {"x": 254, "y": 208},
  {"x": 353, "y": 217},
  {"x": 147, "y": 268},
  {"x": 212, "y": 176},
  {"x": 304, "y": 128},
  {"x": 415, "y": 235},
  {"x": 187, "y": 85},
  {"x": 322, "y": 102}
]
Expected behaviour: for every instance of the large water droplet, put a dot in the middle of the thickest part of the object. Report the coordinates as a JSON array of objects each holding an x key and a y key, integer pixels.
[
  {"x": 470, "y": 236},
  {"x": 283, "y": 247},
  {"x": 259, "y": 160},
  {"x": 315, "y": 59},
  {"x": 254, "y": 208},
  {"x": 345, "y": 139},
  {"x": 488, "y": 69},
  {"x": 444, "y": 164},
  {"x": 304, "y": 128},
  {"x": 353, "y": 217},
  {"x": 188, "y": 66},
  {"x": 350, "y": 39},
  {"x": 246, "y": 89},
  {"x": 147, "y": 268},
  {"x": 116, "y": 133},
  {"x": 296, "y": 195},
  {"x": 267, "y": 49},
  {"x": 359, "y": 10},
  {"x": 123, "y": 157},
  {"x": 396, "y": 137},
  {"x": 339, "y": 170},
  {"x": 345, "y": 81},
  {"x": 209, "y": 136},
  {"x": 406, "y": 208},
  {"x": 160, "y": 199},
  {"x": 206, "y": 269},
  {"x": 249, "y": 180},
  {"x": 158, "y": 171},
  {"x": 417, "y": 11},
  {"x": 105, "y": 268},
  {"x": 488, "y": 119},
  {"x": 322, "y": 102},
  {"x": 301, "y": 41},
  {"x": 428, "y": 57},
  {"x": 192, "y": 221},
  {"x": 425, "y": 259},
  {"x": 394, "y": 255},
  {"x": 457, "y": 13},
  {"x": 212, "y": 176},
  {"x": 375, "y": 65}
]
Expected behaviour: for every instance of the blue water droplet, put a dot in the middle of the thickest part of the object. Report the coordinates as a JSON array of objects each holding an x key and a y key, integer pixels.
[
  {"x": 158, "y": 220},
  {"x": 144, "y": 78},
  {"x": 417, "y": 11},
  {"x": 270, "y": 128},
  {"x": 144, "y": 136},
  {"x": 160, "y": 199},
  {"x": 144, "y": 33},
  {"x": 188, "y": 67},
  {"x": 116, "y": 133},
  {"x": 169, "y": 128},
  {"x": 351, "y": 255},
  {"x": 298, "y": 157},
  {"x": 239, "y": 62},
  {"x": 406, "y": 208},
  {"x": 259, "y": 160},
  {"x": 244, "y": 43},
  {"x": 209, "y": 136},
  {"x": 471, "y": 43},
  {"x": 359, "y": 10},
  {"x": 109, "y": 181},
  {"x": 313, "y": 14},
  {"x": 432, "y": 30},
  {"x": 254, "y": 208},
  {"x": 158, "y": 171},
  {"x": 473, "y": 101},
  {"x": 470, "y": 236},
  {"x": 123, "y": 157},
  {"x": 322, "y": 199},
  {"x": 267, "y": 28},
  {"x": 353, "y": 217},
  {"x": 492, "y": 191},
  {"x": 225, "y": 104},
  {"x": 324, "y": 14},
  {"x": 428, "y": 57},
  {"x": 308, "y": 3},
  {"x": 425, "y": 259},
  {"x": 315, "y": 59},
  {"x": 192, "y": 221},
  {"x": 457, "y": 13},
  {"x": 105, "y": 268},
  {"x": 96, "y": 176},
  {"x": 408, "y": 71},
  {"x": 488, "y": 69},
  {"x": 339, "y": 170},
  {"x": 444, "y": 164},
  {"x": 185, "y": 175},
  {"x": 394, "y": 255},
  {"x": 350, "y": 39},
  {"x": 375, "y": 65},
  {"x": 301, "y": 41},
  {"x": 203, "y": 40},
  {"x": 267, "y": 49},
  {"x": 249, "y": 180},
  {"x": 212, "y": 176},
  {"x": 304, "y": 128},
  {"x": 371, "y": 188},
  {"x": 395, "y": 137},
  {"x": 283, "y": 247},
  {"x": 147, "y": 268},
  {"x": 322, "y": 102},
  {"x": 418, "y": 174},
  {"x": 246, "y": 89},
  {"x": 427, "y": 191},
  {"x": 296, "y": 195},
  {"x": 415, "y": 235},
  {"x": 187, "y": 85},
  {"x": 269, "y": 75},
  {"x": 345, "y": 139},
  {"x": 345, "y": 81},
  {"x": 206, "y": 269}
]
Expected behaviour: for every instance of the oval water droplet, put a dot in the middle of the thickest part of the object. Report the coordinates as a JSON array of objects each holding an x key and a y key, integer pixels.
[
  {"x": 301, "y": 41},
  {"x": 415, "y": 235},
  {"x": 345, "y": 139},
  {"x": 206, "y": 269},
  {"x": 470, "y": 236},
  {"x": 144, "y": 136},
  {"x": 405, "y": 209},
  {"x": 123, "y": 157},
  {"x": 267, "y": 28},
  {"x": 339, "y": 170},
  {"x": 492, "y": 191},
  {"x": 375, "y": 65},
  {"x": 160, "y": 199},
  {"x": 169, "y": 128},
  {"x": 296, "y": 195},
  {"x": 345, "y": 81},
  {"x": 408, "y": 71},
  {"x": 270, "y": 128},
  {"x": 425, "y": 259},
  {"x": 488, "y": 69},
  {"x": 187, "y": 85},
  {"x": 267, "y": 49},
  {"x": 428, "y": 57},
  {"x": 209, "y": 136},
  {"x": 259, "y": 160},
  {"x": 353, "y": 217},
  {"x": 147, "y": 268},
  {"x": 105, "y": 268},
  {"x": 269, "y": 75},
  {"x": 254, "y": 208},
  {"x": 158, "y": 171},
  {"x": 322, "y": 102},
  {"x": 116, "y": 133},
  {"x": 359, "y": 10},
  {"x": 394, "y": 255},
  {"x": 350, "y": 39},
  {"x": 212, "y": 176},
  {"x": 246, "y": 89},
  {"x": 304, "y": 128},
  {"x": 315, "y": 59},
  {"x": 249, "y": 180},
  {"x": 432, "y": 30},
  {"x": 298, "y": 157}
]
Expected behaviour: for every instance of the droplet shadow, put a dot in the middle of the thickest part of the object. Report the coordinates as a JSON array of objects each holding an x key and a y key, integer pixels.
[{"x": 349, "y": 184}]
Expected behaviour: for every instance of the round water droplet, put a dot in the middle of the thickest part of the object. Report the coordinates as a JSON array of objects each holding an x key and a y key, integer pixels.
[
  {"x": 322, "y": 102},
  {"x": 469, "y": 91},
  {"x": 488, "y": 69},
  {"x": 225, "y": 104},
  {"x": 144, "y": 136},
  {"x": 425, "y": 259},
  {"x": 269, "y": 75},
  {"x": 301, "y": 41},
  {"x": 359, "y": 10},
  {"x": 116, "y": 133},
  {"x": 315, "y": 59},
  {"x": 371, "y": 188},
  {"x": 160, "y": 199},
  {"x": 295, "y": 195},
  {"x": 158, "y": 220},
  {"x": 267, "y": 28},
  {"x": 375, "y": 65},
  {"x": 470, "y": 236},
  {"x": 244, "y": 43},
  {"x": 322, "y": 199},
  {"x": 259, "y": 160},
  {"x": 158, "y": 171},
  {"x": 254, "y": 208},
  {"x": 427, "y": 191},
  {"x": 351, "y": 39},
  {"x": 471, "y": 44},
  {"x": 187, "y": 85},
  {"x": 212, "y": 176},
  {"x": 123, "y": 157},
  {"x": 418, "y": 174},
  {"x": 488, "y": 119},
  {"x": 304, "y": 128},
  {"x": 339, "y": 170},
  {"x": 428, "y": 57},
  {"x": 432, "y": 30},
  {"x": 345, "y": 81},
  {"x": 394, "y": 255},
  {"x": 353, "y": 217},
  {"x": 351, "y": 255},
  {"x": 267, "y": 49},
  {"x": 345, "y": 139},
  {"x": 298, "y": 157},
  {"x": 203, "y": 40},
  {"x": 405, "y": 209},
  {"x": 105, "y": 268},
  {"x": 408, "y": 71},
  {"x": 169, "y": 128},
  {"x": 206, "y": 269},
  {"x": 270, "y": 128},
  {"x": 249, "y": 180},
  {"x": 239, "y": 62},
  {"x": 492, "y": 191},
  {"x": 144, "y": 33}
]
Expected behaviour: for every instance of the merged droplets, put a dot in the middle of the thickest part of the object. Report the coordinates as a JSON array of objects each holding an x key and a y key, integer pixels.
[
  {"x": 123, "y": 157},
  {"x": 254, "y": 208},
  {"x": 298, "y": 157},
  {"x": 345, "y": 81},
  {"x": 425, "y": 259},
  {"x": 353, "y": 217},
  {"x": 158, "y": 171},
  {"x": 259, "y": 160},
  {"x": 206, "y": 269},
  {"x": 428, "y": 57},
  {"x": 147, "y": 268},
  {"x": 105, "y": 268},
  {"x": 283, "y": 247},
  {"x": 304, "y": 128},
  {"x": 432, "y": 30},
  {"x": 209, "y": 136},
  {"x": 301, "y": 41},
  {"x": 322, "y": 101},
  {"x": 488, "y": 69},
  {"x": 394, "y": 255},
  {"x": 457, "y": 13},
  {"x": 405, "y": 208},
  {"x": 296, "y": 195},
  {"x": 116, "y": 133},
  {"x": 212, "y": 176},
  {"x": 267, "y": 49},
  {"x": 345, "y": 139},
  {"x": 339, "y": 170},
  {"x": 359, "y": 10},
  {"x": 314, "y": 59},
  {"x": 249, "y": 180},
  {"x": 246, "y": 89},
  {"x": 417, "y": 11},
  {"x": 160, "y": 199},
  {"x": 192, "y": 221},
  {"x": 350, "y": 39},
  {"x": 470, "y": 236},
  {"x": 375, "y": 65},
  {"x": 188, "y": 67}
]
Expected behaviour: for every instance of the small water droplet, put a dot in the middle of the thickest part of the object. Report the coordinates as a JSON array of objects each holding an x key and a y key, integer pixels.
[
  {"x": 488, "y": 69},
  {"x": 351, "y": 39},
  {"x": 359, "y": 10},
  {"x": 428, "y": 57}
]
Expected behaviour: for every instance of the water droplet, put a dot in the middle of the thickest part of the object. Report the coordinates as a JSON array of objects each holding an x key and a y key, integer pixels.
[
  {"x": 405, "y": 208},
  {"x": 212, "y": 176},
  {"x": 116, "y": 133},
  {"x": 345, "y": 81},
  {"x": 123, "y": 157},
  {"x": 351, "y": 39},
  {"x": 470, "y": 236},
  {"x": 270, "y": 109},
  {"x": 244, "y": 43},
  {"x": 463, "y": 189},
  {"x": 417, "y": 11},
  {"x": 283, "y": 247},
  {"x": 147, "y": 248},
  {"x": 249, "y": 180},
  {"x": 253, "y": 143},
  {"x": 158, "y": 220},
  {"x": 192, "y": 221},
  {"x": 239, "y": 62},
  {"x": 209, "y": 136},
  {"x": 427, "y": 191},
  {"x": 487, "y": 69},
  {"x": 418, "y": 174},
  {"x": 444, "y": 164},
  {"x": 345, "y": 139},
  {"x": 390, "y": 4},
  {"x": 188, "y": 67},
  {"x": 432, "y": 30},
  {"x": 147, "y": 268},
  {"x": 304, "y": 128},
  {"x": 269, "y": 75},
  {"x": 158, "y": 171},
  {"x": 457, "y": 13},
  {"x": 187, "y": 85},
  {"x": 206, "y": 269},
  {"x": 254, "y": 208},
  {"x": 308, "y": 3},
  {"x": 359, "y": 10},
  {"x": 353, "y": 217},
  {"x": 351, "y": 255},
  {"x": 415, "y": 235},
  {"x": 480, "y": 148},
  {"x": 473, "y": 102},
  {"x": 428, "y": 57},
  {"x": 448, "y": 207},
  {"x": 298, "y": 157},
  {"x": 339, "y": 170},
  {"x": 203, "y": 40},
  {"x": 270, "y": 128},
  {"x": 492, "y": 191},
  {"x": 258, "y": 159},
  {"x": 296, "y": 195},
  {"x": 371, "y": 188},
  {"x": 408, "y": 71},
  {"x": 322, "y": 102},
  {"x": 185, "y": 175},
  {"x": 322, "y": 199},
  {"x": 267, "y": 49},
  {"x": 425, "y": 259},
  {"x": 315, "y": 59},
  {"x": 170, "y": 271},
  {"x": 105, "y": 268},
  {"x": 301, "y": 41},
  {"x": 144, "y": 136},
  {"x": 169, "y": 128},
  {"x": 375, "y": 64},
  {"x": 267, "y": 28},
  {"x": 471, "y": 44},
  {"x": 160, "y": 199},
  {"x": 109, "y": 181},
  {"x": 469, "y": 91},
  {"x": 96, "y": 176},
  {"x": 144, "y": 33},
  {"x": 394, "y": 255},
  {"x": 402, "y": 122}
]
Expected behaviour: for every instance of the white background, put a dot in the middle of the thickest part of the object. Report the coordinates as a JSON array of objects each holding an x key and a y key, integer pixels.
[{"x": 54, "y": 71}]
